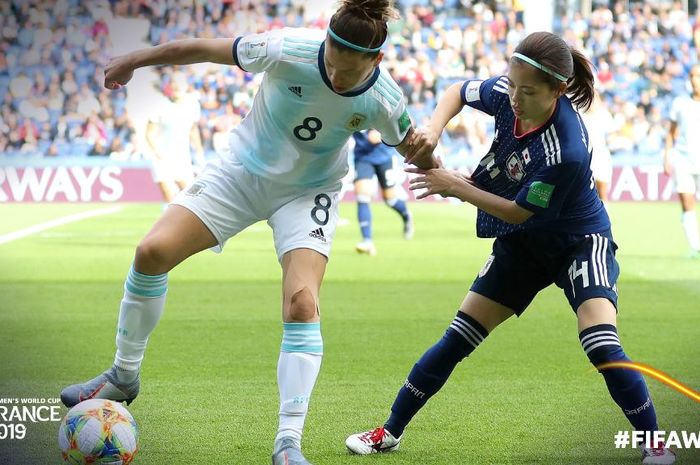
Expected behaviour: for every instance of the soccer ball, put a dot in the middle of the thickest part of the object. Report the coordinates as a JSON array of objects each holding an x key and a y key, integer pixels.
[{"x": 98, "y": 431}]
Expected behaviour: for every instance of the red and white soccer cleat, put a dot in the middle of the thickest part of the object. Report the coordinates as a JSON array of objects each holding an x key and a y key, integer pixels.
[
  {"x": 371, "y": 442},
  {"x": 659, "y": 455}
]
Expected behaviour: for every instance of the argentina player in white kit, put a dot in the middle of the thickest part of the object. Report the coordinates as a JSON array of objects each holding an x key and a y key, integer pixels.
[
  {"x": 286, "y": 162},
  {"x": 682, "y": 157}
]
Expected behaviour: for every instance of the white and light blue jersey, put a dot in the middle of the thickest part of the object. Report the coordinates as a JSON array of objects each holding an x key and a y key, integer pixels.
[
  {"x": 685, "y": 112},
  {"x": 298, "y": 128}
]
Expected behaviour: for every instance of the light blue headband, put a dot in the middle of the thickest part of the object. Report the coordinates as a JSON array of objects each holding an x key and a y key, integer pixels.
[
  {"x": 539, "y": 66},
  {"x": 339, "y": 39}
]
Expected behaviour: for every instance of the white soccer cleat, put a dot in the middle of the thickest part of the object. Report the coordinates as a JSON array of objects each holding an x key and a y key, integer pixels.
[
  {"x": 660, "y": 455},
  {"x": 287, "y": 452},
  {"x": 366, "y": 247},
  {"x": 376, "y": 441},
  {"x": 104, "y": 386}
]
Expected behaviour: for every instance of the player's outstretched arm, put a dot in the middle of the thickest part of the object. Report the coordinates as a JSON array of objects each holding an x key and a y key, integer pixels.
[
  {"x": 423, "y": 142},
  {"x": 451, "y": 183},
  {"x": 120, "y": 69},
  {"x": 415, "y": 153}
]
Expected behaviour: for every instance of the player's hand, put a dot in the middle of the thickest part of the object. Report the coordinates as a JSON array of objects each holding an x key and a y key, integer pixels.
[
  {"x": 421, "y": 146},
  {"x": 118, "y": 72},
  {"x": 436, "y": 181}
]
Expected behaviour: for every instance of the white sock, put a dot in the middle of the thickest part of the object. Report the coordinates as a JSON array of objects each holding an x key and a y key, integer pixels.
[
  {"x": 297, "y": 370},
  {"x": 140, "y": 311},
  {"x": 690, "y": 226}
]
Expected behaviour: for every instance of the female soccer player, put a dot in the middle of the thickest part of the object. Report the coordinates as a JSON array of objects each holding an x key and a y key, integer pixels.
[
  {"x": 598, "y": 120},
  {"x": 536, "y": 196},
  {"x": 285, "y": 165},
  {"x": 373, "y": 157},
  {"x": 682, "y": 157}
]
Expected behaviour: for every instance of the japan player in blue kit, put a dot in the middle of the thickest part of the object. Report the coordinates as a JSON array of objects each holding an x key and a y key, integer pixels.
[
  {"x": 372, "y": 157},
  {"x": 535, "y": 194},
  {"x": 286, "y": 163}
]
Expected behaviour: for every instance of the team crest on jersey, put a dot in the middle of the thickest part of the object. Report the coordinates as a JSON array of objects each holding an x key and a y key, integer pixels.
[
  {"x": 515, "y": 168},
  {"x": 256, "y": 49},
  {"x": 355, "y": 121},
  {"x": 487, "y": 266}
]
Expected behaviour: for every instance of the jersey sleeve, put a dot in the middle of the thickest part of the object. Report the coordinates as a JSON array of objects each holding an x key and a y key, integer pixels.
[
  {"x": 395, "y": 127},
  {"x": 547, "y": 191},
  {"x": 256, "y": 53},
  {"x": 484, "y": 95}
]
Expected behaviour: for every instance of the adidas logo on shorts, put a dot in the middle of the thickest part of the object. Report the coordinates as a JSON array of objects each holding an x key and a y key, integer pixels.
[{"x": 318, "y": 234}]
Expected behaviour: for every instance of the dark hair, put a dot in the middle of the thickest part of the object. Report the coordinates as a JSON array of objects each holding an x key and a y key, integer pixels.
[
  {"x": 551, "y": 51},
  {"x": 363, "y": 22}
]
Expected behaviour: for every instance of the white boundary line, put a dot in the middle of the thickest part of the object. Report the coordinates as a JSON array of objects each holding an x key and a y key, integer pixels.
[{"x": 4, "y": 239}]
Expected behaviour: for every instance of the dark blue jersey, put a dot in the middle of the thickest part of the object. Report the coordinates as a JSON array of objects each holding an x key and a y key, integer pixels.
[
  {"x": 375, "y": 154},
  {"x": 546, "y": 170}
]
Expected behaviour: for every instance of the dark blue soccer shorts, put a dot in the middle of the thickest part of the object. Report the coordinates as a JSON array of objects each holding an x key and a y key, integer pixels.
[
  {"x": 525, "y": 262},
  {"x": 367, "y": 170}
]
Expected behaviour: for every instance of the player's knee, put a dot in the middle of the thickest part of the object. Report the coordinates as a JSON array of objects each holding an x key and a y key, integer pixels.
[
  {"x": 302, "y": 306},
  {"x": 390, "y": 201},
  {"x": 152, "y": 257}
]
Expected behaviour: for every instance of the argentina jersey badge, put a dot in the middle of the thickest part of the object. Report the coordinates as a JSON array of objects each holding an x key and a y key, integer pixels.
[{"x": 354, "y": 123}]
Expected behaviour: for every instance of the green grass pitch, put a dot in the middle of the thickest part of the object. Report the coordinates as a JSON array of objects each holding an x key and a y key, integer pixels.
[{"x": 209, "y": 395}]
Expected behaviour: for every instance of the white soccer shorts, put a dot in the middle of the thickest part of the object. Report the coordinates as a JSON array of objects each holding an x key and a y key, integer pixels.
[
  {"x": 686, "y": 174},
  {"x": 172, "y": 168},
  {"x": 602, "y": 166},
  {"x": 228, "y": 198}
]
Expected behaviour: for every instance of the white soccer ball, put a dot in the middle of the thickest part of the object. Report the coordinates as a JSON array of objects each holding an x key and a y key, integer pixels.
[{"x": 98, "y": 431}]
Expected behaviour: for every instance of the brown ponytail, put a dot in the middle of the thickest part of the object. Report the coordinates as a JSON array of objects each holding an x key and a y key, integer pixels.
[
  {"x": 553, "y": 53},
  {"x": 581, "y": 86},
  {"x": 363, "y": 22}
]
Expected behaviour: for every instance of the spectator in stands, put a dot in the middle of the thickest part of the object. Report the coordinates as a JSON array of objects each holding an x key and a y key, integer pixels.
[{"x": 636, "y": 46}]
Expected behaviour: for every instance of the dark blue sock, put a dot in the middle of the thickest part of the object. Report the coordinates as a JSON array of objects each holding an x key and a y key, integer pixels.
[
  {"x": 430, "y": 373},
  {"x": 627, "y": 387},
  {"x": 400, "y": 206},
  {"x": 364, "y": 217}
]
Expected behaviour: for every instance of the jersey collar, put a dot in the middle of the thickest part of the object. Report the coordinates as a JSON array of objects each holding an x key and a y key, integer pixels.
[
  {"x": 538, "y": 128},
  {"x": 322, "y": 69}
]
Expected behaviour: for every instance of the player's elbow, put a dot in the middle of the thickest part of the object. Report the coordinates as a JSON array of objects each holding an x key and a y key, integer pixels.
[{"x": 516, "y": 214}]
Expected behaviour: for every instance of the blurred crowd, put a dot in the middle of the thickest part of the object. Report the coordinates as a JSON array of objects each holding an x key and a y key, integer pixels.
[{"x": 53, "y": 54}]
